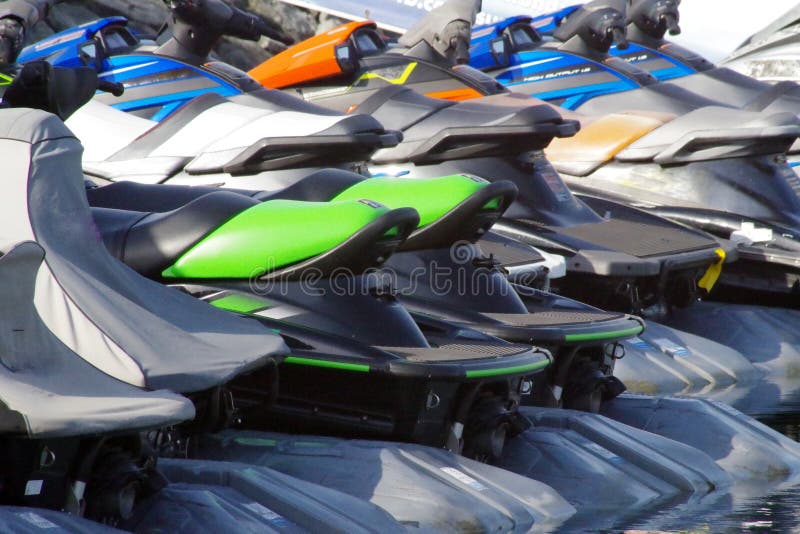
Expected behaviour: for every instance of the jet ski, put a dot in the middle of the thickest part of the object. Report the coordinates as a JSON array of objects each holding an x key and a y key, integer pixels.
[
  {"x": 767, "y": 232},
  {"x": 647, "y": 23},
  {"x": 768, "y": 54},
  {"x": 91, "y": 281},
  {"x": 574, "y": 69},
  {"x": 70, "y": 432}
]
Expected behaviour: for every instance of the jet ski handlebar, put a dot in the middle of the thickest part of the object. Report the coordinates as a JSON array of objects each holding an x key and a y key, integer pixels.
[
  {"x": 218, "y": 17},
  {"x": 655, "y": 17},
  {"x": 57, "y": 90},
  {"x": 598, "y": 24},
  {"x": 15, "y": 17},
  {"x": 115, "y": 88}
]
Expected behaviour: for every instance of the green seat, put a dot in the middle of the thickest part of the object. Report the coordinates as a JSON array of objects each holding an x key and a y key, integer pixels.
[{"x": 272, "y": 235}]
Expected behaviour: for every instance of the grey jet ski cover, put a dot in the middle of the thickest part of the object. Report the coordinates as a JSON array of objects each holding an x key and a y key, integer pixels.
[
  {"x": 131, "y": 328},
  {"x": 46, "y": 390}
]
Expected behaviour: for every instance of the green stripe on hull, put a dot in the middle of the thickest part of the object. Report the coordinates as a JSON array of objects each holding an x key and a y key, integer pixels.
[
  {"x": 239, "y": 303},
  {"x": 355, "y": 367},
  {"x": 597, "y": 336},
  {"x": 508, "y": 370}
]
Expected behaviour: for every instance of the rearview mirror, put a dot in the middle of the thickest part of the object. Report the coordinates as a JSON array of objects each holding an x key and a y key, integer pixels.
[
  {"x": 346, "y": 58},
  {"x": 499, "y": 48},
  {"x": 91, "y": 53}
]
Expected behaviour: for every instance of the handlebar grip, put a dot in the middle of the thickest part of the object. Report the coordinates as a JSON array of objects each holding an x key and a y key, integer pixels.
[
  {"x": 243, "y": 25},
  {"x": 276, "y": 35},
  {"x": 249, "y": 26},
  {"x": 620, "y": 37},
  {"x": 672, "y": 24},
  {"x": 116, "y": 89}
]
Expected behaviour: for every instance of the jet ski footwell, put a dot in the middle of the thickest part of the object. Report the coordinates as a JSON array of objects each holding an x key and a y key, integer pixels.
[{"x": 643, "y": 455}]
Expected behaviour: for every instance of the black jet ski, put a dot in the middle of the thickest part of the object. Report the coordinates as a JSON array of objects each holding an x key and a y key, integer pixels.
[{"x": 723, "y": 171}]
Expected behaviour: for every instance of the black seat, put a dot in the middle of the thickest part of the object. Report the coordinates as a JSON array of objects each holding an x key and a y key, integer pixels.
[
  {"x": 133, "y": 196},
  {"x": 150, "y": 242},
  {"x": 437, "y": 130},
  {"x": 320, "y": 186}
]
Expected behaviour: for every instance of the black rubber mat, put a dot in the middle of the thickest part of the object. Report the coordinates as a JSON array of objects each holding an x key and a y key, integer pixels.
[
  {"x": 638, "y": 239},
  {"x": 553, "y": 318},
  {"x": 509, "y": 255},
  {"x": 456, "y": 351}
]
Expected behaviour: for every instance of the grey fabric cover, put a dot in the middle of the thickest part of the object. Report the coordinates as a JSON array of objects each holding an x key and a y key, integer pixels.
[
  {"x": 48, "y": 390},
  {"x": 125, "y": 325}
]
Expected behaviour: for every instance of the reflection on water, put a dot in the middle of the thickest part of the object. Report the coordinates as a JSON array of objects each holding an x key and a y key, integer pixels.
[{"x": 778, "y": 512}]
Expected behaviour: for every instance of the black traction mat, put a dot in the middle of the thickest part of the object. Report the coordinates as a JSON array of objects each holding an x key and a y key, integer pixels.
[
  {"x": 638, "y": 239},
  {"x": 508, "y": 254},
  {"x": 554, "y": 318}
]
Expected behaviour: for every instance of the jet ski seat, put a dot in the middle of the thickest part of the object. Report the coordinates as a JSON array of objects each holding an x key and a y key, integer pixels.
[
  {"x": 598, "y": 142},
  {"x": 451, "y": 208},
  {"x": 235, "y": 236},
  {"x": 461, "y": 126},
  {"x": 133, "y": 329},
  {"x": 211, "y": 134},
  {"x": 149, "y": 242}
]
